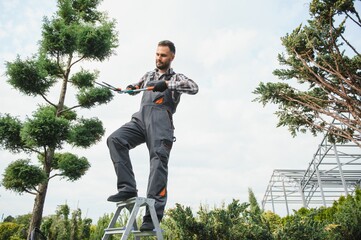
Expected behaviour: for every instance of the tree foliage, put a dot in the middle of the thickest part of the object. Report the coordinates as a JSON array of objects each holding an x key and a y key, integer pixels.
[
  {"x": 14, "y": 228},
  {"x": 344, "y": 217},
  {"x": 241, "y": 221},
  {"x": 66, "y": 224},
  {"x": 77, "y": 32},
  {"x": 21, "y": 176},
  {"x": 235, "y": 221},
  {"x": 71, "y": 166},
  {"x": 302, "y": 225},
  {"x": 320, "y": 56},
  {"x": 33, "y": 76},
  {"x": 9, "y": 230},
  {"x": 10, "y": 139},
  {"x": 45, "y": 129}
]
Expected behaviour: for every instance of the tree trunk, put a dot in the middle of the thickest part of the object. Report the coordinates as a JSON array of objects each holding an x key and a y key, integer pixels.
[
  {"x": 38, "y": 207},
  {"x": 41, "y": 195}
]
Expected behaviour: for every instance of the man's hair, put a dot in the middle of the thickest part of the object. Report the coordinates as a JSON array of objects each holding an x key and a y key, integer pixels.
[{"x": 167, "y": 43}]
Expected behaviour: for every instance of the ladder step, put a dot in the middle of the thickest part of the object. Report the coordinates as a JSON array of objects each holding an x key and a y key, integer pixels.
[
  {"x": 114, "y": 230},
  {"x": 138, "y": 233},
  {"x": 135, "y": 232}
]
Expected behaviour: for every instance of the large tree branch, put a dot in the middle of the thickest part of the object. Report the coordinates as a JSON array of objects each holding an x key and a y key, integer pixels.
[
  {"x": 329, "y": 128},
  {"x": 358, "y": 21},
  {"x": 352, "y": 109},
  {"x": 351, "y": 104},
  {"x": 334, "y": 72},
  {"x": 338, "y": 59},
  {"x": 320, "y": 80},
  {"x": 349, "y": 44},
  {"x": 52, "y": 104},
  {"x": 327, "y": 111},
  {"x": 330, "y": 70},
  {"x": 35, "y": 151},
  {"x": 332, "y": 43},
  {"x": 30, "y": 192},
  {"x": 55, "y": 175},
  {"x": 325, "y": 84},
  {"x": 68, "y": 109},
  {"x": 81, "y": 58},
  {"x": 35, "y": 192},
  {"x": 317, "y": 108}
]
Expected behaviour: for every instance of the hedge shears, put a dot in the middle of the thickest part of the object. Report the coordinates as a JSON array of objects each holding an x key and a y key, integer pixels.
[{"x": 119, "y": 90}]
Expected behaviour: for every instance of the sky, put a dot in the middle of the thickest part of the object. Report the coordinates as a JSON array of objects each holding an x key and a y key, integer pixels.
[{"x": 225, "y": 144}]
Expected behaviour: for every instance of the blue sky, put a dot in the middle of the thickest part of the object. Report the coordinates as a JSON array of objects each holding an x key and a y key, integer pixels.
[{"x": 225, "y": 142}]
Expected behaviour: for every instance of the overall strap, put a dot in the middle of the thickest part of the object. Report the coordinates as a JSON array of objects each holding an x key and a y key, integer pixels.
[
  {"x": 166, "y": 76},
  {"x": 151, "y": 76},
  {"x": 169, "y": 76}
]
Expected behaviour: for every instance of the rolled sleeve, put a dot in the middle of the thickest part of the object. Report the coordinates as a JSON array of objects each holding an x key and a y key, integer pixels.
[{"x": 182, "y": 84}]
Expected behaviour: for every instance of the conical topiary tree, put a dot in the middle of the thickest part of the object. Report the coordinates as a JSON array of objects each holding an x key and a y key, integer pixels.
[{"x": 77, "y": 32}]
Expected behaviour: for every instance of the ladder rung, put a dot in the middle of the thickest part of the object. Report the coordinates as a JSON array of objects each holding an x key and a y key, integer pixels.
[
  {"x": 138, "y": 233},
  {"x": 114, "y": 230},
  {"x": 127, "y": 202},
  {"x": 135, "y": 232}
]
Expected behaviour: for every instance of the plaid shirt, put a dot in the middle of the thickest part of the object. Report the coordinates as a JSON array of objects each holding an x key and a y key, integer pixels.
[{"x": 177, "y": 82}]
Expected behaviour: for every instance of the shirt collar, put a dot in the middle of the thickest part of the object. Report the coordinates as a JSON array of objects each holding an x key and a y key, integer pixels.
[{"x": 168, "y": 72}]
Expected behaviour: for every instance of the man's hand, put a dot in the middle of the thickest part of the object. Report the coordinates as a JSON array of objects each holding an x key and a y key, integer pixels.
[
  {"x": 131, "y": 87},
  {"x": 160, "y": 86}
]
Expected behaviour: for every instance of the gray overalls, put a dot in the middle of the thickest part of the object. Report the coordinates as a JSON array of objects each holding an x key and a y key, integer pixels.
[{"x": 152, "y": 125}]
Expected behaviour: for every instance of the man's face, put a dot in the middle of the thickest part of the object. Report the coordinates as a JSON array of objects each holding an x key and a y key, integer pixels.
[{"x": 163, "y": 58}]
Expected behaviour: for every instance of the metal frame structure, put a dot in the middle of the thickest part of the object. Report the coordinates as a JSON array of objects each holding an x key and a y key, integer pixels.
[{"x": 335, "y": 170}]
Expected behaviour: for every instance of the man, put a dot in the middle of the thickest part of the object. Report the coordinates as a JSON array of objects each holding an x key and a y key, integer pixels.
[{"x": 153, "y": 125}]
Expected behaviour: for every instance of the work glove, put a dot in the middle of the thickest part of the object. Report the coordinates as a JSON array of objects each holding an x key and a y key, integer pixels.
[
  {"x": 132, "y": 87},
  {"x": 160, "y": 86}
]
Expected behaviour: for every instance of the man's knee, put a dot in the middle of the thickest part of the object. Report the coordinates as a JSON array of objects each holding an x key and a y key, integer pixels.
[
  {"x": 110, "y": 140},
  {"x": 114, "y": 140}
]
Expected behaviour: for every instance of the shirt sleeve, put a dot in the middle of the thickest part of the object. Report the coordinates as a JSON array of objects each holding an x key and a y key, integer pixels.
[
  {"x": 182, "y": 84},
  {"x": 141, "y": 82}
]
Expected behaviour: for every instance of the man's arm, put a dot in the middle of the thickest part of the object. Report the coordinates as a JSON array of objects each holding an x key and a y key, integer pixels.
[
  {"x": 182, "y": 84},
  {"x": 139, "y": 84}
]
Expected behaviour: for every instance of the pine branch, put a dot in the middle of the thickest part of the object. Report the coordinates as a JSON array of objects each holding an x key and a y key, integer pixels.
[
  {"x": 55, "y": 175},
  {"x": 349, "y": 44},
  {"x": 68, "y": 109},
  {"x": 43, "y": 96},
  {"x": 328, "y": 128},
  {"x": 30, "y": 192},
  {"x": 358, "y": 22},
  {"x": 319, "y": 109},
  {"x": 71, "y": 65}
]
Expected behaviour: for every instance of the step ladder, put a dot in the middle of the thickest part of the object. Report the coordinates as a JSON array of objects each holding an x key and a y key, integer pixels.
[{"x": 133, "y": 205}]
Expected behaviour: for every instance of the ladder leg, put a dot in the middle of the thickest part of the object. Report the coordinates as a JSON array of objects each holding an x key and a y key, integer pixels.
[
  {"x": 112, "y": 222},
  {"x": 131, "y": 220},
  {"x": 150, "y": 203},
  {"x": 135, "y": 227}
]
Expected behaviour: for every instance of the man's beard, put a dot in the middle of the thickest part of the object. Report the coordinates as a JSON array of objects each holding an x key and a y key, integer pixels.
[{"x": 162, "y": 66}]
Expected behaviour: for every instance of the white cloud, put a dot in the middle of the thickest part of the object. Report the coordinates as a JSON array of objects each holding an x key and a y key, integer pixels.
[{"x": 224, "y": 44}]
